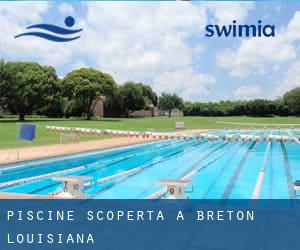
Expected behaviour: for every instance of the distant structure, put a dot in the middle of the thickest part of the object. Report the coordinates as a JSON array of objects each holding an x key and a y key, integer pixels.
[
  {"x": 98, "y": 107},
  {"x": 175, "y": 112},
  {"x": 98, "y": 110}
]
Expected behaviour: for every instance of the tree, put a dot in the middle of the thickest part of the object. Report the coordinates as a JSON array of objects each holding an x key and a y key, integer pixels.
[
  {"x": 292, "y": 100},
  {"x": 84, "y": 85},
  {"x": 26, "y": 86},
  {"x": 167, "y": 102},
  {"x": 3, "y": 83},
  {"x": 281, "y": 107},
  {"x": 131, "y": 98},
  {"x": 149, "y": 94}
]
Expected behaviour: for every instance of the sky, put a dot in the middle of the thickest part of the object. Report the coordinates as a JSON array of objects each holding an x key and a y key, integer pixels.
[{"x": 163, "y": 44}]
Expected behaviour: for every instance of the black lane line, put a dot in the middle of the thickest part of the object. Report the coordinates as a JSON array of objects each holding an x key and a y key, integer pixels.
[
  {"x": 108, "y": 164},
  {"x": 224, "y": 168},
  {"x": 182, "y": 147},
  {"x": 94, "y": 170},
  {"x": 44, "y": 188},
  {"x": 193, "y": 167},
  {"x": 43, "y": 165},
  {"x": 88, "y": 172},
  {"x": 287, "y": 168},
  {"x": 40, "y": 166},
  {"x": 123, "y": 159},
  {"x": 173, "y": 170},
  {"x": 203, "y": 158},
  {"x": 236, "y": 174},
  {"x": 144, "y": 167},
  {"x": 57, "y": 184}
]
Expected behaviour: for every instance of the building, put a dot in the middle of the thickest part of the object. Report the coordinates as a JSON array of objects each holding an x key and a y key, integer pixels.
[{"x": 98, "y": 107}]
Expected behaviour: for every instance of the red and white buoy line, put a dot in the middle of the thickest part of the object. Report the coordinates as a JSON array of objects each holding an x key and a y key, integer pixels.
[{"x": 228, "y": 136}]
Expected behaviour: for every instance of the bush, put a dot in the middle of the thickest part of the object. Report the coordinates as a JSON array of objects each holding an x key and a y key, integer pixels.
[{"x": 258, "y": 107}]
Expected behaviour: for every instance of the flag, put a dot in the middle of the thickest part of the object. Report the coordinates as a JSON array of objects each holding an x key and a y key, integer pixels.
[{"x": 27, "y": 132}]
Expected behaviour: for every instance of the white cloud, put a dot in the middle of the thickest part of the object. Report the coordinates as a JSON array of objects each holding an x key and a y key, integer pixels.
[
  {"x": 188, "y": 84},
  {"x": 226, "y": 12},
  {"x": 247, "y": 92},
  {"x": 151, "y": 43},
  {"x": 14, "y": 18},
  {"x": 292, "y": 76},
  {"x": 198, "y": 49},
  {"x": 73, "y": 66},
  {"x": 65, "y": 8},
  {"x": 255, "y": 54},
  {"x": 141, "y": 38},
  {"x": 79, "y": 64},
  {"x": 23, "y": 11},
  {"x": 131, "y": 41},
  {"x": 293, "y": 28},
  {"x": 291, "y": 80}
]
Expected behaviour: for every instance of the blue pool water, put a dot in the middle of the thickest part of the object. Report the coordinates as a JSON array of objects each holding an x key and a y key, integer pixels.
[{"x": 221, "y": 169}]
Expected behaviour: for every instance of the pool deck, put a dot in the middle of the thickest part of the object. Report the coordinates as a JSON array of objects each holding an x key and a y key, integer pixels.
[
  {"x": 24, "y": 196},
  {"x": 31, "y": 153}
]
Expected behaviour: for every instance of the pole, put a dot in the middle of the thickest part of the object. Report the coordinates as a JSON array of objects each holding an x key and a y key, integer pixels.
[{"x": 17, "y": 141}]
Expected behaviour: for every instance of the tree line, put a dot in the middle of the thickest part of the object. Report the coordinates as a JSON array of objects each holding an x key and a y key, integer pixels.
[
  {"x": 289, "y": 104},
  {"x": 30, "y": 88}
]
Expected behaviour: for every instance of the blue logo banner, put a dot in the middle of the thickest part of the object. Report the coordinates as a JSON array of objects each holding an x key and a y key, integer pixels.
[
  {"x": 27, "y": 132},
  {"x": 52, "y": 32},
  {"x": 150, "y": 224}
]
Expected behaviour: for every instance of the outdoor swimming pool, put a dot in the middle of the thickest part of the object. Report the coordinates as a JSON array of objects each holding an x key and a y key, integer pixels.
[{"x": 241, "y": 169}]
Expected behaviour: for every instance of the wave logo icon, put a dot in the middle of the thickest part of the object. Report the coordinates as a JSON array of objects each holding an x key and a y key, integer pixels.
[{"x": 59, "y": 34}]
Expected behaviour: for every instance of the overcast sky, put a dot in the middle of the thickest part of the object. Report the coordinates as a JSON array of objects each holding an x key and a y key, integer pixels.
[{"x": 163, "y": 44}]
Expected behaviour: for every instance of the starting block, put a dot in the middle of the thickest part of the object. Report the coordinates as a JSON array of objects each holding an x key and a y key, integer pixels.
[
  {"x": 179, "y": 125},
  {"x": 176, "y": 188},
  {"x": 73, "y": 137},
  {"x": 296, "y": 186},
  {"x": 73, "y": 186}
]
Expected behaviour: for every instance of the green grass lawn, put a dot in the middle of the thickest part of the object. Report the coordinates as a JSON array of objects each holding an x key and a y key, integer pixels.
[{"x": 9, "y": 127}]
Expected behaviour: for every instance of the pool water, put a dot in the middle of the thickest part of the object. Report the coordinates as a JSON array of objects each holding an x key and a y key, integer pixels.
[{"x": 221, "y": 169}]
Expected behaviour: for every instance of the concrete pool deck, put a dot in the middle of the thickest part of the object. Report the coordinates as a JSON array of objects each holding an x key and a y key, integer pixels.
[{"x": 31, "y": 153}]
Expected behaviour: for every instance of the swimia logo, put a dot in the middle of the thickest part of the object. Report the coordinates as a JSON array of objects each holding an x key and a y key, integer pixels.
[
  {"x": 52, "y": 32},
  {"x": 239, "y": 30}
]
